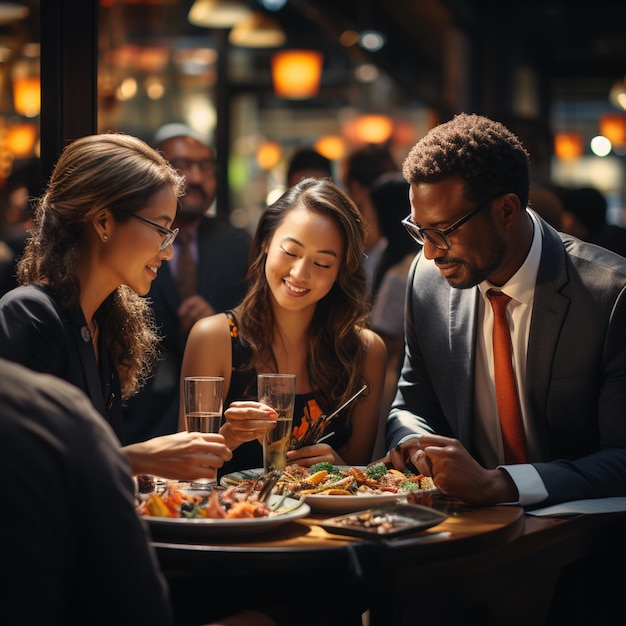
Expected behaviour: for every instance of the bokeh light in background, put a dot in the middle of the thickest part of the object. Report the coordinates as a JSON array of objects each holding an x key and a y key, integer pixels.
[
  {"x": 369, "y": 129},
  {"x": 268, "y": 155},
  {"x": 600, "y": 146},
  {"x": 613, "y": 127},
  {"x": 568, "y": 146},
  {"x": 296, "y": 74},
  {"x": 332, "y": 147}
]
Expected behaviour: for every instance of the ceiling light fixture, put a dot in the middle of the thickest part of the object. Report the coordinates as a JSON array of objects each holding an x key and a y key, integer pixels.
[
  {"x": 218, "y": 13},
  {"x": 257, "y": 31},
  {"x": 12, "y": 11}
]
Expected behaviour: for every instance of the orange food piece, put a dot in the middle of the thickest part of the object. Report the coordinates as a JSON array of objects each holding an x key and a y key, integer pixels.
[
  {"x": 243, "y": 510},
  {"x": 317, "y": 477}
]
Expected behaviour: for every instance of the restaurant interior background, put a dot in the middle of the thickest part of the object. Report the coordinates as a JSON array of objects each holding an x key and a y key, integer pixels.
[{"x": 387, "y": 71}]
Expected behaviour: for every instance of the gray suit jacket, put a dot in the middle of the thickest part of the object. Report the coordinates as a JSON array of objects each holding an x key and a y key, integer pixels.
[{"x": 576, "y": 366}]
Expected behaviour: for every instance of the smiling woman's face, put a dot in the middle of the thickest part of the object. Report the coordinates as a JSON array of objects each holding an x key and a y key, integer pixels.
[
  {"x": 304, "y": 258},
  {"x": 133, "y": 252}
]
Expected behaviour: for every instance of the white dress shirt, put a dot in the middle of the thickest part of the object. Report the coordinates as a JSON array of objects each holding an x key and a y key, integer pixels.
[
  {"x": 521, "y": 289},
  {"x": 487, "y": 436}
]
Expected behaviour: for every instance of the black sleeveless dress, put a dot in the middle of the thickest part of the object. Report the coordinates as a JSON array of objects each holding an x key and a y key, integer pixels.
[{"x": 243, "y": 386}]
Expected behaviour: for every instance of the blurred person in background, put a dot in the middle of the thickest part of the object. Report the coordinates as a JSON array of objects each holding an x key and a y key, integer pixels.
[
  {"x": 584, "y": 216},
  {"x": 360, "y": 169},
  {"x": 546, "y": 201},
  {"x": 307, "y": 163},
  {"x": 390, "y": 199},
  {"x": 206, "y": 275},
  {"x": 23, "y": 187},
  {"x": 101, "y": 235}
]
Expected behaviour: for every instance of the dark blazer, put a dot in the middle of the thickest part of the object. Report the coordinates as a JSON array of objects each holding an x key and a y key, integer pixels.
[
  {"x": 82, "y": 545},
  {"x": 575, "y": 373},
  {"x": 222, "y": 267},
  {"x": 36, "y": 332}
]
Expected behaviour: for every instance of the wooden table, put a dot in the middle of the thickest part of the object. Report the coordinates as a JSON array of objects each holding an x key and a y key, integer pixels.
[{"x": 478, "y": 563}]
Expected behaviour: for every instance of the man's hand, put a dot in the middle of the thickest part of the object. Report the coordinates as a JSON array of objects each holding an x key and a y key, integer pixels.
[{"x": 453, "y": 470}]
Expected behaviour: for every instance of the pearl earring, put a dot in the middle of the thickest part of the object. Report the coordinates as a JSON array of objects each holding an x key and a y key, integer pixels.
[{"x": 105, "y": 237}]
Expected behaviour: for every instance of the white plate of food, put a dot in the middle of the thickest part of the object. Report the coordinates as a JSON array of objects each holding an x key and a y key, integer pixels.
[
  {"x": 281, "y": 509},
  {"x": 338, "y": 500},
  {"x": 346, "y": 504}
]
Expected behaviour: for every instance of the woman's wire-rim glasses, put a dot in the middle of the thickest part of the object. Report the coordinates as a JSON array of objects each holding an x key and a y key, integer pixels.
[
  {"x": 438, "y": 237},
  {"x": 168, "y": 233}
]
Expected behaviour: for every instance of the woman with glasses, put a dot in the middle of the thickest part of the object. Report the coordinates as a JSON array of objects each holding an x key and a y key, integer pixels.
[{"x": 102, "y": 231}]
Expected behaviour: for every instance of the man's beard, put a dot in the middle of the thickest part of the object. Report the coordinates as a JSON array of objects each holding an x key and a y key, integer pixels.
[
  {"x": 475, "y": 275},
  {"x": 189, "y": 207}
]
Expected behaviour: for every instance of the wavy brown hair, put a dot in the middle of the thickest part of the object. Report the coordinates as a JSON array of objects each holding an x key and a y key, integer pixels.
[
  {"x": 113, "y": 171},
  {"x": 335, "y": 351}
]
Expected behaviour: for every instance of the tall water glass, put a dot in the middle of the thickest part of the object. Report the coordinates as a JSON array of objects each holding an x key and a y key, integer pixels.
[
  {"x": 279, "y": 392},
  {"x": 204, "y": 397}
]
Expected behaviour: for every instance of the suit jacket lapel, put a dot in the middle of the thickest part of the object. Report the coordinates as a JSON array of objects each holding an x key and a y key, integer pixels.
[
  {"x": 550, "y": 307},
  {"x": 462, "y": 324},
  {"x": 87, "y": 358}
]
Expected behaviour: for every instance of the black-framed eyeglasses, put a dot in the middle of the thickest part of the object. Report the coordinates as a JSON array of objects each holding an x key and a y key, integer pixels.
[
  {"x": 436, "y": 236},
  {"x": 183, "y": 164},
  {"x": 168, "y": 233}
]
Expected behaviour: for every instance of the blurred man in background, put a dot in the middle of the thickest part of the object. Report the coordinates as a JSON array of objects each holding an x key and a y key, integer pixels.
[
  {"x": 206, "y": 275},
  {"x": 361, "y": 168},
  {"x": 307, "y": 163},
  {"x": 22, "y": 187}
]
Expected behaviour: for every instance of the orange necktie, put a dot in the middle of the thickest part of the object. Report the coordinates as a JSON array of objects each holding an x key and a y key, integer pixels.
[
  {"x": 185, "y": 267},
  {"x": 509, "y": 410}
]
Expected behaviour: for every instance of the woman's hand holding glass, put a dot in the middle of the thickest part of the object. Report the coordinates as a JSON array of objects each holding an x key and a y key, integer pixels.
[
  {"x": 247, "y": 420},
  {"x": 181, "y": 456}
]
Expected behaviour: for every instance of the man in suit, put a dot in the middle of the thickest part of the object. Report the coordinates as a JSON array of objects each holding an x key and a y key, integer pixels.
[
  {"x": 60, "y": 452},
  {"x": 219, "y": 262},
  {"x": 469, "y": 181}
]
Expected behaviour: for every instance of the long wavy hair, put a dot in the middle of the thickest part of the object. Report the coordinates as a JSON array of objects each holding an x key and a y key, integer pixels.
[
  {"x": 113, "y": 171},
  {"x": 335, "y": 350}
]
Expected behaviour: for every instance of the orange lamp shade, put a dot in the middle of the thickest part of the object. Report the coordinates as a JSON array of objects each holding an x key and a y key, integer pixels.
[
  {"x": 613, "y": 127},
  {"x": 21, "y": 139},
  {"x": 568, "y": 145},
  {"x": 332, "y": 147},
  {"x": 27, "y": 96},
  {"x": 296, "y": 74},
  {"x": 373, "y": 128},
  {"x": 268, "y": 155}
]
